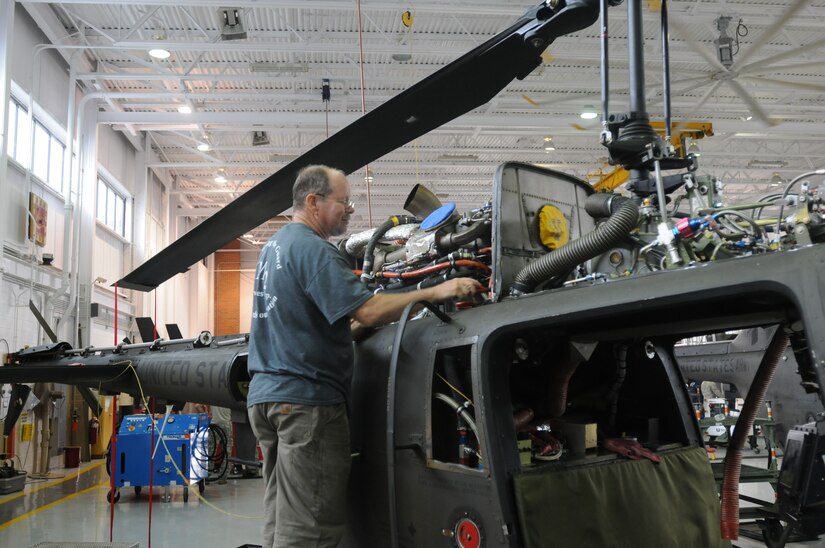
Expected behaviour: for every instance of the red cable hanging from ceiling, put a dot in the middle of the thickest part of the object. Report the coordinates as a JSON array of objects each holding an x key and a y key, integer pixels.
[
  {"x": 367, "y": 178},
  {"x": 152, "y": 421},
  {"x": 113, "y": 446}
]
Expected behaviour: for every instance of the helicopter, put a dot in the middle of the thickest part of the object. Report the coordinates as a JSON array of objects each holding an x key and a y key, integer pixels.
[
  {"x": 734, "y": 359},
  {"x": 553, "y": 412}
]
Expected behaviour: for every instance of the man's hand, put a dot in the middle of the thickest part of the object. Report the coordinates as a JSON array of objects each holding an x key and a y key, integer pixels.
[
  {"x": 457, "y": 288},
  {"x": 383, "y": 308},
  {"x": 359, "y": 330}
]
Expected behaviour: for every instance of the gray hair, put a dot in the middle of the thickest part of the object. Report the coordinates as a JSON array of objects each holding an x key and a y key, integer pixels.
[{"x": 312, "y": 179}]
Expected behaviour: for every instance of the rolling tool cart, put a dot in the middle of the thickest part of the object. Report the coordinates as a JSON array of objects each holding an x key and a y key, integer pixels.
[{"x": 177, "y": 457}]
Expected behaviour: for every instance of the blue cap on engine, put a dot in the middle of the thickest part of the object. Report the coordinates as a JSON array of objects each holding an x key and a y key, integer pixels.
[{"x": 438, "y": 217}]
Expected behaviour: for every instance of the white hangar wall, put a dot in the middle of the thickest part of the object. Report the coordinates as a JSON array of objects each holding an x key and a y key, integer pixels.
[{"x": 87, "y": 255}]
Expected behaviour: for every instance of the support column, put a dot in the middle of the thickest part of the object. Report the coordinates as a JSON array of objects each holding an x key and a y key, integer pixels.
[
  {"x": 6, "y": 38},
  {"x": 86, "y": 217}
]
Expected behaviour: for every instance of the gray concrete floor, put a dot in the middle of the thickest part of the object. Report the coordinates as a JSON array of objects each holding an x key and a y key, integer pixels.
[{"x": 74, "y": 508}]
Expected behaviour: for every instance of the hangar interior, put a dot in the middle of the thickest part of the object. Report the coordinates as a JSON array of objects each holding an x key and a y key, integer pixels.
[{"x": 126, "y": 125}]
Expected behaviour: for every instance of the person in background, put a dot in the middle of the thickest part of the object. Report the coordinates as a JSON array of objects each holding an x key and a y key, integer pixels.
[
  {"x": 307, "y": 304},
  {"x": 712, "y": 390}
]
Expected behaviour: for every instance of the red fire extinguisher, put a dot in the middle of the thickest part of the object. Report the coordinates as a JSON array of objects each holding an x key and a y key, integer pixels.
[{"x": 94, "y": 428}]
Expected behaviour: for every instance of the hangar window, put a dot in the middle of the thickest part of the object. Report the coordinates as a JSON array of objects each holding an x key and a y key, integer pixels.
[
  {"x": 46, "y": 163},
  {"x": 19, "y": 142},
  {"x": 113, "y": 208}
]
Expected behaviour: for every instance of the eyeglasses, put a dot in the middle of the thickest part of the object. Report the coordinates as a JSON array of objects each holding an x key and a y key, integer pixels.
[{"x": 346, "y": 202}]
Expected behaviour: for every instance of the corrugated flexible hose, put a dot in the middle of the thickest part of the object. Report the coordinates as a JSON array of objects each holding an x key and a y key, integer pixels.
[
  {"x": 744, "y": 424},
  {"x": 566, "y": 258}
]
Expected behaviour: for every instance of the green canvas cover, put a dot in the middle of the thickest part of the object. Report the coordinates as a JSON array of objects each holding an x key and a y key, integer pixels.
[{"x": 622, "y": 503}]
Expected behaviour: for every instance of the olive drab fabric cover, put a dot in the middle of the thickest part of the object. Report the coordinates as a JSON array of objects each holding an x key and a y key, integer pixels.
[{"x": 621, "y": 503}]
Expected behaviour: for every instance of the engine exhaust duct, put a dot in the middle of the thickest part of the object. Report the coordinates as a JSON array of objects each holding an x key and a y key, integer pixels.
[{"x": 421, "y": 202}]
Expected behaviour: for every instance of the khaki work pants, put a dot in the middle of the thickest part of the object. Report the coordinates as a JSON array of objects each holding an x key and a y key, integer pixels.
[{"x": 306, "y": 469}]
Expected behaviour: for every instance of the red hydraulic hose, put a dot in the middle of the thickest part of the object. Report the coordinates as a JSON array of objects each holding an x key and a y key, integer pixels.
[
  {"x": 744, "y": 424},
  {"x": 434, "y": 268}
]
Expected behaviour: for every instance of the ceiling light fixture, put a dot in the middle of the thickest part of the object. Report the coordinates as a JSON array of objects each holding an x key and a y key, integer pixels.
[
  {"x": 547, "y": 139},
  {"x": 401, "y": 57},
  {"x": 549, "y": 148},
  {"x": 220, "y": 177},
  {"x": 185, "y": 109},
  {"x": 458, "y": 157},
  {"x": 159, "y": 53},
  {"x": 693, "y": 148},
  {"x": 777, "y": 180},
  {"x": 203, "y": 147},
  {"x": 589, "y": 113},
  {"x": 369, "y": 178},
  {"x": 282, "y": 157},
  {"x": 767, "y": 164},
  {"x": 258, "y": 66}
]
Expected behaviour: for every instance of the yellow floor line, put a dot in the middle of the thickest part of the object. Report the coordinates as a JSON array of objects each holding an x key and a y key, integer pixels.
[
  {"x": 46, "y": 485},
  {"x": 64, "y": 499}
]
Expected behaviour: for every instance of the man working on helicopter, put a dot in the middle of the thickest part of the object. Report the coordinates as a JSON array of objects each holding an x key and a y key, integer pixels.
[{"x": 306, "y": 301}]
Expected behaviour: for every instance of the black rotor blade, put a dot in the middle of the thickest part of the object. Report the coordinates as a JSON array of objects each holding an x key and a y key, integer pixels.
[
  {"x": 464, "y": 84},
  {"x": 67, "y": 374}
]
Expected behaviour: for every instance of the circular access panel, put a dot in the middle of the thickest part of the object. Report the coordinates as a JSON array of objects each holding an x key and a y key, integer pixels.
[{"x": 467, "y": 534}]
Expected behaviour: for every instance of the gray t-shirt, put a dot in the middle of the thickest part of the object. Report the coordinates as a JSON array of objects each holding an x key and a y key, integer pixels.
[{"x": 300, "y": 343}]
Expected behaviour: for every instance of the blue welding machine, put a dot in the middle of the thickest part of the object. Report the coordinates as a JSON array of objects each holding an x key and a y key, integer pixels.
[{"x": 178, "y": 455}]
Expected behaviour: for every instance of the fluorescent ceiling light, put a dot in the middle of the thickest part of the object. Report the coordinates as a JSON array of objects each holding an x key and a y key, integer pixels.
[
  {"x": 159, "y": 53},
  {"x": 767, "y": 163},
  {"x": 220, "y": 179},
  {"x": 278, "y": 67},
  {"x": 549, "y": 148},
  {"x": 282, "y": 157},
  {"x": 458, "y": 157},
  {"x": 185, "y": 109},
  {"x": 203, "y": 147}
]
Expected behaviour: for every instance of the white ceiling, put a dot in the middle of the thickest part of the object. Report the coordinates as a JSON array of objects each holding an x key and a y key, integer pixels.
[{"x": 778, "y": 77}]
